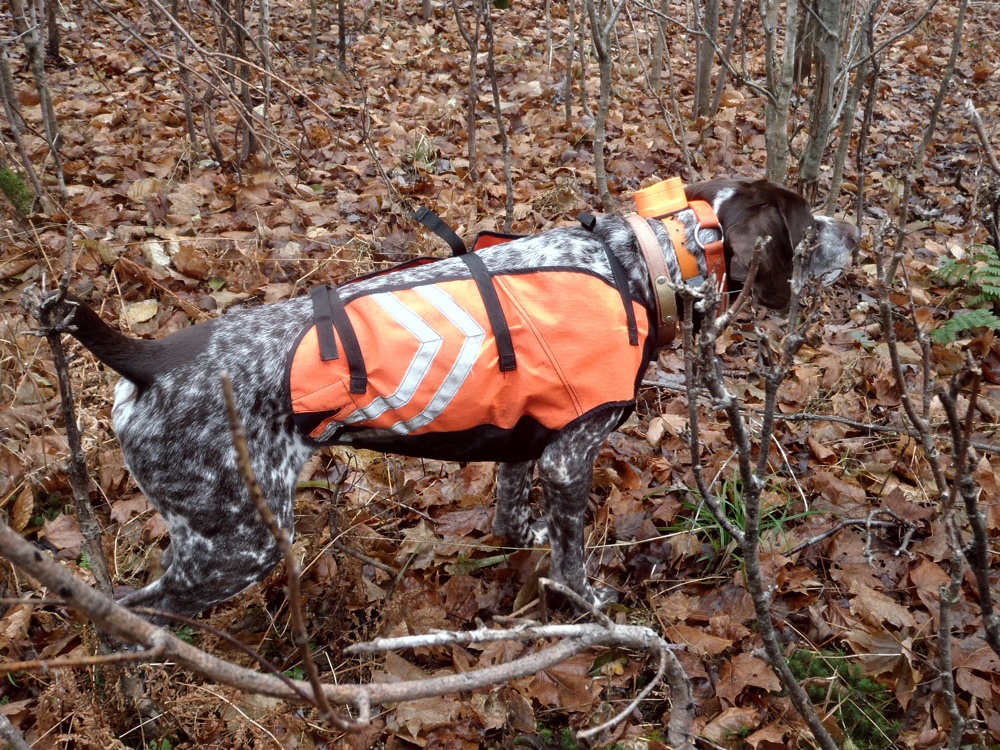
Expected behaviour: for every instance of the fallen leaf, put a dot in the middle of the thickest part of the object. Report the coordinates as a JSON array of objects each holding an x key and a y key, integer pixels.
[
  {"x": 927, "y": 577},
  {"x": 63, "y": 533},
  {"x": 123, "y": 510},
  {"x": 733, "y": 722},
  {"x": 878, "y": 609},
  {"x": 742, "y": 671},
  {"x": 697, "y": 640},
  {"x": 140, "y": 312},
  {"x": 568, "y": 685},
  {"x": 24, "y": 506}
]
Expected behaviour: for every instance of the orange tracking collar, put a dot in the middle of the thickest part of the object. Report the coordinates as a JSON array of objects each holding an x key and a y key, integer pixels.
[{"x": 662, "y": 201}]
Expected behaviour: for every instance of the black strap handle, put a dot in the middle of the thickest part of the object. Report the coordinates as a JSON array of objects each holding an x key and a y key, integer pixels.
[
  {"x": 589, "y": 222},
  {"x": 435, "y": 223},
  {"x": 494, "y": 311},
  {"x": 329, "y": 313}
]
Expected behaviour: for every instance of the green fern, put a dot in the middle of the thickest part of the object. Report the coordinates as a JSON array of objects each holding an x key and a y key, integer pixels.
[
  {"x": 978, "y": 275},
  {"x": 967, "y": 320}
]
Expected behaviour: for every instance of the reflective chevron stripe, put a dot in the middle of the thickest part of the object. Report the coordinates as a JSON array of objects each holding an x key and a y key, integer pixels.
[
  {"x": 430, "y": 343},
  {"x": 462, "y": 366}
]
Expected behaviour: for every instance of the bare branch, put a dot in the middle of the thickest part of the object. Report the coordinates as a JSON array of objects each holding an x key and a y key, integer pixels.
[
  {"x": 11, "y": 736},
  {"x": 977, "y": 122},
  {"x": 293, "y": 572}
]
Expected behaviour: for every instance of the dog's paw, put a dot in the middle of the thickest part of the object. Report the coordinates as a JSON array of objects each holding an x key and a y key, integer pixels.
[
  {"x": 581, "y": 598},
  {"x": 525, "y": 537},
  {"x": 603, "y": 597},
  {"x": 538, "y": 534}
]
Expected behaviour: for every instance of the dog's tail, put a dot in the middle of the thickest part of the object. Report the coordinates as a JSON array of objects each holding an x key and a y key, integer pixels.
[{"x": 138, "y": 360}]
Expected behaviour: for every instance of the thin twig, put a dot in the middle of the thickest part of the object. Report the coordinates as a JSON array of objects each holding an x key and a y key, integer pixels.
[
  {"x": 11, "y": 736},
  {"x": 839, "y": 526},
  {"x": 977, "y": 122},
  {"x": 77, "y": 662},
  {"x": 293, "y": 575}
]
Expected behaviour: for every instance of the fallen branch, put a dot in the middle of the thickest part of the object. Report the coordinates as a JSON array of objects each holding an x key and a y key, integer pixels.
[
  {"x": 869, "y": 524},
  {"x": 131, "y": 628},
  {"x": 43, "y": 308},
  {"x": 11, "y": 736}
]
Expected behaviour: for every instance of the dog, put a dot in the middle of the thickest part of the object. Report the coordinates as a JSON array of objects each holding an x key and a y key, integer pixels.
[{"x": 172, "y": 424}]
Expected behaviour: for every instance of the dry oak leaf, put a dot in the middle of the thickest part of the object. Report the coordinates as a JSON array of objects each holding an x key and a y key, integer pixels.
[
  {"x": 927, "y": 578},
  {"x": 733, "y": 722},
  {"x": 24, "y": 506},
  {"x": 14, "y": 625},
  {"x": 417, "y": 548},
  {"x": 972, "y": 655},
  {"x": 503, "y": 706},
  {"x": 743, "y": 671},
  {"x": 568, "y": 685},
  {"x": 771, "y": 736},
  {"x": 63, "y": 533},
  {"x": 836, "y": 490},
  {"x": 986, "y": 479},
  {"x": 878, "y": 609},
  {"x": 123, "y": 510},
  {"x": 881, "y": 653},
  {"x": 420, "y": 716},
  {"x": 697, "y": 640}
]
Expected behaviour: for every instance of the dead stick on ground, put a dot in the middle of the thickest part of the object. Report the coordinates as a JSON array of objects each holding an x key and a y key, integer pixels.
[
  {"x": 11, "y": 736},
  {"x": 977, "y": 123},
  {"x": 130, "y": 627}
]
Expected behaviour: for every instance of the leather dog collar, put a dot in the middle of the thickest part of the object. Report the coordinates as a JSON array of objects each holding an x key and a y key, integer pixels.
[
  {"x": 715, "y": 258},
  {"x": 663, "y": 292}
]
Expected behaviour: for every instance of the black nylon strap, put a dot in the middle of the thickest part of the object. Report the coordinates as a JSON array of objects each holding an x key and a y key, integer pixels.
[
  {"x": 329, "y": 312},
  {"x": 434, "y": 222},
  {"x": 618, "y": 274},
  {"x": 324, "y": 323},
  {"x": 494, "y": 311}
]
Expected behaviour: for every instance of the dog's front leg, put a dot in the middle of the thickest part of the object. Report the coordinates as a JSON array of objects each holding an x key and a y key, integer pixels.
[
  {"x": 513, "y": 514},
  {"x": 566, "y": 469}
]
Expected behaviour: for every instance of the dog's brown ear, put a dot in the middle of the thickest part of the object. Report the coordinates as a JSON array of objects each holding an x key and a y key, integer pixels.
[{"x": 770, "y": 286}]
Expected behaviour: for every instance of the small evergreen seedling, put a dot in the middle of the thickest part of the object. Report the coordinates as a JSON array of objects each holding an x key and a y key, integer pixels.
[{"x": 17, "y": 192}]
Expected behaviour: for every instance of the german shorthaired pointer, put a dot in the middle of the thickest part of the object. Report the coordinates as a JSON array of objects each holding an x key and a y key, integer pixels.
[{"x": 171, "y": 420}]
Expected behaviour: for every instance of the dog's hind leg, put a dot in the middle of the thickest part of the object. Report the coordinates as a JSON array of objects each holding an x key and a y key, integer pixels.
[
  {"x": 218, "y": 544},
  {"x": 199, "y": 576},
  {"x": 566, "y": 469}
]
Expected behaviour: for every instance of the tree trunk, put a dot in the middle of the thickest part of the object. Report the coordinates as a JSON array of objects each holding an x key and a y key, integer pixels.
[
  {"x": 472, "y": 40},
  {"x": 720, "y": 84},
  {"x": 780, "y": 78},
  {"x": 659, "y": 48},
  {"x": 570, "y": 50},
  {"x": 826, "y": 55},
  {"x": 601, "y": 30},
  {"x": 707, "y": 25},
  {"x": 501, "y": 128}
]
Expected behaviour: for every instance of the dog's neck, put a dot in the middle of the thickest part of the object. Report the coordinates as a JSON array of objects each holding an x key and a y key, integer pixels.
[{"x": 645, "y": 275}]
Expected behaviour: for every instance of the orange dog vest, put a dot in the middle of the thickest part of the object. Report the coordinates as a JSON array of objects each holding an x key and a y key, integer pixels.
[{"x": 433, "y": 371}]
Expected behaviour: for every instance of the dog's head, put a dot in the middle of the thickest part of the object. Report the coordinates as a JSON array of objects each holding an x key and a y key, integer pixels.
[{"x": 752, "y": 209}]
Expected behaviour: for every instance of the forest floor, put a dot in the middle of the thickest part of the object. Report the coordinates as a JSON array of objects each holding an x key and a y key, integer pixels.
[{"x": 167, "y": 236}]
